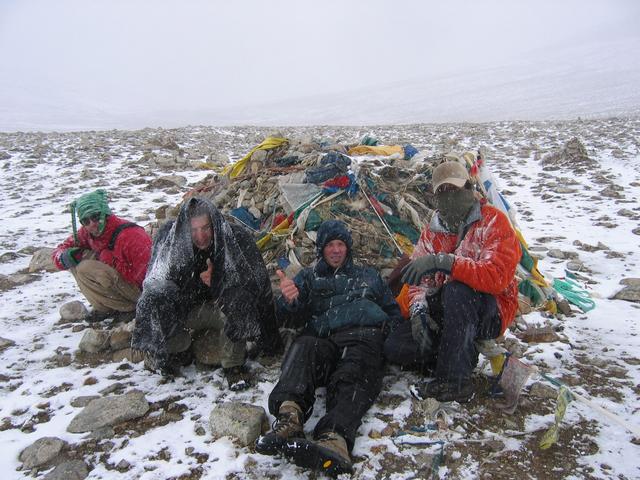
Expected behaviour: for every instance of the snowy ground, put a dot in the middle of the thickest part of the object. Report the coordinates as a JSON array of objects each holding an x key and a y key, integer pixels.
[{"x": 599, "y": 352}]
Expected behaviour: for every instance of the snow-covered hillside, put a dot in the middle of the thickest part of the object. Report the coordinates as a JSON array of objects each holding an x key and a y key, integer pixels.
[{"x": 588, "y": 215}]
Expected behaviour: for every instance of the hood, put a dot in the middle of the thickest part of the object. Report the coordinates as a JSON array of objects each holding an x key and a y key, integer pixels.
[{"x": 333, "y": 230}]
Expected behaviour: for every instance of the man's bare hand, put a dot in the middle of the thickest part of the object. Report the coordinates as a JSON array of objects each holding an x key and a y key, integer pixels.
[
  {"x": 206, "y": 275},
  {"x": 287, "y": 287}
]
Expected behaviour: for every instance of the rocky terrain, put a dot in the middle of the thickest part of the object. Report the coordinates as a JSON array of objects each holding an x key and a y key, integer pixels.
[{"x": 74, "y": 407}]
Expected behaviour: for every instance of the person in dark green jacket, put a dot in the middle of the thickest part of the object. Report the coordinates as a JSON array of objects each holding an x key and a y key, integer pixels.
[{"x": 346, "y": 311}]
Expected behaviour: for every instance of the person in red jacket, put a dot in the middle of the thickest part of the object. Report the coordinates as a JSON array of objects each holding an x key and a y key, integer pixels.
[
  {"x": 107, "y": 256},
  {"x": 460, "y": 287}
]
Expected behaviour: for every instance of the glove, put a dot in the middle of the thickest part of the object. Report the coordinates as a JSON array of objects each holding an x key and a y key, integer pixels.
[
  {"x": 68, "y": 258},
  {"x": 413, "y": 272}
]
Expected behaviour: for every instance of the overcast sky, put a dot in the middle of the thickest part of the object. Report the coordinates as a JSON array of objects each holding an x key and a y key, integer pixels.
[{"x": 134, "y": 56}]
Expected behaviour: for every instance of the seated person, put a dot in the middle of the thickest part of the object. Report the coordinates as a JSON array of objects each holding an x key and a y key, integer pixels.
[
  {"x": 346, "y": 310},
  {"x": 107, "y": 256},
  {"x": 207, "y": 282},
  {"x": 462, "y": 287}
]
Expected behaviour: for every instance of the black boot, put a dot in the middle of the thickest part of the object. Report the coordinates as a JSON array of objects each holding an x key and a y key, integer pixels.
[
  {"x": 446, "y": 391},
  {"x": 288, "y": 425},
  {"x": 328, "y": 454}
]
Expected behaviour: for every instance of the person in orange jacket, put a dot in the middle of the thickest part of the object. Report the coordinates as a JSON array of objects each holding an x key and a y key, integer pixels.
[{"x": 460, "y": 287}]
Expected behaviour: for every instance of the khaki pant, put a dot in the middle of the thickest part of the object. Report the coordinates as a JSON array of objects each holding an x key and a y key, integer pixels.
[
  {"x": 104, "y": 287},
  {"x": 210, "y": 345}
]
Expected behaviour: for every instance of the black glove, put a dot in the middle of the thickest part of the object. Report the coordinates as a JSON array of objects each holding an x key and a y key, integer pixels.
[
  {"x": 423, "y": 330},
  {"x": 67, "y": 258},
  {"x": 413, "y": 272}
]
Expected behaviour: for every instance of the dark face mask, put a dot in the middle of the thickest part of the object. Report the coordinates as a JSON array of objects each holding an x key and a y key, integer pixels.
[{"x": 453, "y": 207}]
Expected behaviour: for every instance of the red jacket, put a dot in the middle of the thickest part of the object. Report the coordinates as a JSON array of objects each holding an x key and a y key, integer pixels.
[
  {"x": 130, "y": 254},
  {"x": 485, "y": 260}
]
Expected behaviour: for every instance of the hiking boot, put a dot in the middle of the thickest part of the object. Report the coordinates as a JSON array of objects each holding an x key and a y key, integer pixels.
[
  {"x": 328, "y": 454},
  {"x": 238, "y": 377},
  {"x": 95, "y": 316},
  {"x": 287, "y": 425},
  {"x": 445, "y": 391}
]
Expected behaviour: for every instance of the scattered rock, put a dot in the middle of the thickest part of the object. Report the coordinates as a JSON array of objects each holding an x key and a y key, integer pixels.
[
  {"x": 628, "y": 294},
  {"x": 74, "y": 311},
  {"x": 109, "y": 411},
  {"x": 6, "y": 343},
  {"x": 41, "y": 452},
  {"x": 121, "y": 336},
  {"x": 168, "y": 181},
  {"x": 94, "y": 341},
  {"x": 241, "y": 421},
  {"x": 631, "y": 282},
  {"x": 41, "y": 260},
  {"x": 83, "y": 400},
  {"x": 539, "y": 335},
  {"x": 542, "y": 390},
  {"x": 69, "y": 470}
]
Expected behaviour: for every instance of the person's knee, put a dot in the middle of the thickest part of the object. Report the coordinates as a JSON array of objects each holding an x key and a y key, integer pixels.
[{"x": 455, "y": 294}]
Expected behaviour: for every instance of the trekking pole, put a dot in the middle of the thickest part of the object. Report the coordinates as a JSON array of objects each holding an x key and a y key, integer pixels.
[{"x": 380, "y": 218}]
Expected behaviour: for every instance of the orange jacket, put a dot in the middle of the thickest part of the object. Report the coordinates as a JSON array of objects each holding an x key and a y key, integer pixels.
[{"x": 485, "y": 260}]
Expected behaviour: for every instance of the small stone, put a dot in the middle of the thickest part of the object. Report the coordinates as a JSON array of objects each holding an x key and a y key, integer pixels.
[
  {"x": 539, "y": 335},
  {"x": 69, "y": 470},
  {"x": 74, "y": 311},
  {"x": 241, "y": 421},
  {"x": 375, "y": 434},
  {"x": 556, "y": 253},
  {"x": 41, "y": 452},
  {"x": 42, "y": 260},
  {"x": 109, "y": 411},
  {"x": 6, "y": 343},
  {"x": 83, "y": 400},
  {"x": 541, "y": 390},
  {"x": 94, "y": 341}
]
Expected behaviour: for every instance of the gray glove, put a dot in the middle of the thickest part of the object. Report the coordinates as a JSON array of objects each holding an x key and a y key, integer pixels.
[{"x": 413, "y": 272}]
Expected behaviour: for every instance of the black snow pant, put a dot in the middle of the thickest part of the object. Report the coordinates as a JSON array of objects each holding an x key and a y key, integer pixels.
[
  {"x": 464, "y": 315},
  {"x": 349, "y": 363}
]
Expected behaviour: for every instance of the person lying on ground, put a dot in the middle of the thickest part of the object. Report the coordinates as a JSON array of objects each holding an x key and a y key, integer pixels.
[
  {"x": 207, "y": 293},
  {"x": 346, "y": 311},
  {"x": 107, "y": 256},
  {"x": 461, "y": 287}
]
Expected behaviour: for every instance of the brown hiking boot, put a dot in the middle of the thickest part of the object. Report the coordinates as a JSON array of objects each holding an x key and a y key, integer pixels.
[
  {"x": 328, "y": 454},
  {"x": 288, "y": 425}
]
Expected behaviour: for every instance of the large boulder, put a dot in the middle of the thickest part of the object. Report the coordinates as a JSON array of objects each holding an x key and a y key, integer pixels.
[
  {"x": 42, "y": 260},
  {"x": 241, "y": 421},
  {"x": 109, "y": 411},
  {"x": 41, "y": 452}
]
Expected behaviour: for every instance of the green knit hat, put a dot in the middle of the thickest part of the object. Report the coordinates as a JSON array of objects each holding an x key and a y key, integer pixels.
[{"x": 90, "y": 204}]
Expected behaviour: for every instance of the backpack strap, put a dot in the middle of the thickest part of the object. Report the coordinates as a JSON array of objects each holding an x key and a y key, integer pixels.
[{"x": 116, "y": 232}]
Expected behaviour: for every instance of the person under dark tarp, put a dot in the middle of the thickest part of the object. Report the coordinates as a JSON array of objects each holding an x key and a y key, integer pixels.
[{"x": 206, "y": 283}]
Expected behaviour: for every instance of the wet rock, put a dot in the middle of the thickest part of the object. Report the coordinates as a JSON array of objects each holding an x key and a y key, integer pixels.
[
  {"x": 124, "y": 354},
  {"x": 41, "y": 260},
  {"x": 542, "y": 390},
  {"x": 109, "y": 411},
  {"x": 242, "y": 421},
  {"x": 628, "y": 294},
  {"x": 41, "y": 452},
  {"x": 94, "y": 341},
  {"x": 538, "y": 335},
  {"x": 168, "y": 181},
  {"x": 6, "y": 343},
  {"x": 83, "y": 400},
  {"x": 69, "y": 470},
  {"x": 121, "y": 336},
  {"x": 74, "y": 311}
]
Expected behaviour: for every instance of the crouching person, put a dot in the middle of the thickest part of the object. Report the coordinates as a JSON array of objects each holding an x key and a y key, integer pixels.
[
  {"x": 461, "y": 290},
  {"x": 347, "y": 310},
  {"x": 207, "y": 287},
  {"x": 107, "y": 256}
]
